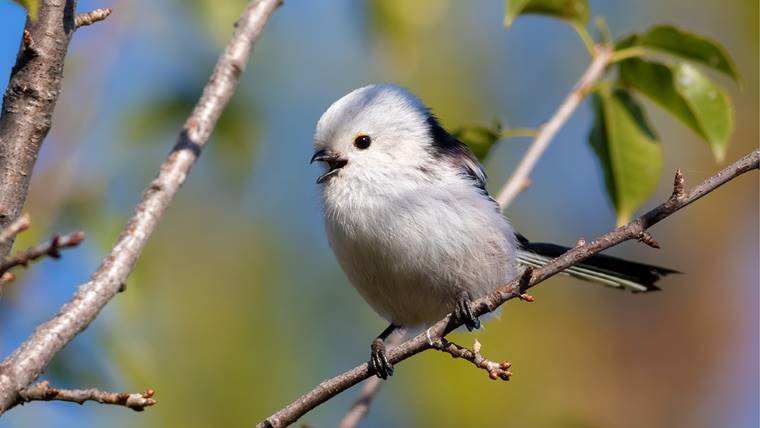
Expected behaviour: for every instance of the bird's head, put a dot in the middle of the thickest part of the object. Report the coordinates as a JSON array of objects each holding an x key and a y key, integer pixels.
[{"x": 374, "y": 131}]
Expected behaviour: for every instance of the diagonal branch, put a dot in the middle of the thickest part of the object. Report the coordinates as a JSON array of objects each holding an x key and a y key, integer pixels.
[
  {"x": 631, "y": 231},
  {"x": 50, "y": 249},
  {"x": 517, "y": 182},
  {"x": 44, "y": 392},
  {"x": 23, "y": 366},
  {"x": 29, "y": 101}
]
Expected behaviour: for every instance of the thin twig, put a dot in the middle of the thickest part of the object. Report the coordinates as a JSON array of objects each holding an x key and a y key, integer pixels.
[
  {"x": 23, "y": 366},
  {"x": 546, "y": 133},
  {"x": 50, "y": 249},
  {"x": 334, "y": 386},
  {"x": 6, "y": 278},
  {"x": 89, "y": 18},
  {"x": 44, "y": 392},
  {"x": 19, "y": 225},
  {"x": 495, "y": 370}
]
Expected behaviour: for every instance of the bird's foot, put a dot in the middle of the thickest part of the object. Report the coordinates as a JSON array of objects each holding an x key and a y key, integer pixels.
[
  {"x": 378, "y": 360},
  {"x": 463, "y": 312}
]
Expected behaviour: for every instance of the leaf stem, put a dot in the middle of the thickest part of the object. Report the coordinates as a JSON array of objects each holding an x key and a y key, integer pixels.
[
  {"x": 626, "y": 53},
  {"x": 588, "y": 41},
  {"x": 517, "y": 133}
]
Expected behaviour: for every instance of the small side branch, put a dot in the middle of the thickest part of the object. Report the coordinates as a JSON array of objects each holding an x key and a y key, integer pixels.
[
  {"x": 89, "y": 18},
  {"x": 19, "y": 225},
  {"x": 495, "y": 370},
  {"x": 48, "y": 249},
  {"x": 44, "y": 392}
]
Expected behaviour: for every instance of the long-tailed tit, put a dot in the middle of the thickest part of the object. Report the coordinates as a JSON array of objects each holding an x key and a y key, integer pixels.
[{"x": 411, "y": 223}]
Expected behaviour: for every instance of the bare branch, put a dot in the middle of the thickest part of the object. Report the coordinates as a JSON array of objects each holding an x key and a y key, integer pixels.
[
  {"x": 517, "y": 182},
  {"x": 89, "y": 18},
  {"x": 23, "y": 366},
  {"x": 495, "y": 370},
  {"x": 49, "y": 249},
  {"x": 334, "y": 386},
  {"x": 29, "y": 101},
  {"x": 17, "y": 226},
  {"x": 44, "y": 392}
]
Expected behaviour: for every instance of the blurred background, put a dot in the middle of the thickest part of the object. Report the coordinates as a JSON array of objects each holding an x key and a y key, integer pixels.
[{"x": 237, "y": 305}]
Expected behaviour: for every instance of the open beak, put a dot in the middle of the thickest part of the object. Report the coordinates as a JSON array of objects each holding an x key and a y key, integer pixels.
[{"x": 333, "y": 161}]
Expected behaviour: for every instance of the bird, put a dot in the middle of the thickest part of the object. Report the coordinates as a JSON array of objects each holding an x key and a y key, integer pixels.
[{"x": 409, "y": 219}]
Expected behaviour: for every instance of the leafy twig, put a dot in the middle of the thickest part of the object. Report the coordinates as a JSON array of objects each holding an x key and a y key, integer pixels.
[{"x": 546, "y": 133}]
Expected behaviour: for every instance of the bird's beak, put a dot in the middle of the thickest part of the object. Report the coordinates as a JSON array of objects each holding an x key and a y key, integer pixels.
[{"x": 333, "y": 161}]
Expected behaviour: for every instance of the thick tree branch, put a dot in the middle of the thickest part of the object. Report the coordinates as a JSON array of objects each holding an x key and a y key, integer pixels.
[
  {"x": 679, "y": 199},
  {"x": 44, "y": 392},
  {"x": 23, "y": 366},
  {"x": 29, "y": 102},
  {"x": 50, "y": 249},
  {"x": 519, "y": 179}
]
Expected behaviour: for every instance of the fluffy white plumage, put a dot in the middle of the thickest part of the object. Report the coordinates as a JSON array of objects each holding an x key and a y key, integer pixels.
[{"x": 407, "y": 217}]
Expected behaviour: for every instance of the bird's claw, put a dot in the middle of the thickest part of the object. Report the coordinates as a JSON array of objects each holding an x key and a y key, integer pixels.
[
  {"x": 463, "y": 313},
  {"x": 379, "y": 360}
]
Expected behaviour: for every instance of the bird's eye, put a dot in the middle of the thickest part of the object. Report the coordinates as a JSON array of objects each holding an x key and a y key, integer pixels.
[{"x": 362, "y": 141}]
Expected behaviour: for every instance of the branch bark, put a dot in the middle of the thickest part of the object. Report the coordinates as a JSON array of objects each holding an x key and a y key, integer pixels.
[
  {"x": 517, "y": 182},
  {"x": 29, "y": 102},
  {"x": 426, "y": 340},
  {"x": 44, "y": 392},
  {"x": 26, "y": 363}
]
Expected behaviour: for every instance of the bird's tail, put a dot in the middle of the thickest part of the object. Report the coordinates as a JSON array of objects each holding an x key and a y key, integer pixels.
[{"x": 600, "y": 268}]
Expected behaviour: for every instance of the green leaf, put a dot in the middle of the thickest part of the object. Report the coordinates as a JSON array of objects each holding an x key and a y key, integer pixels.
[
  {"x": 628, "y": 150},
  {"x": 672, "y": 40},
  {"x": 479, "y": 139},
  {"x": 688, "y": 95},
  {"x": 574, "y": 11},
  {"x": 31, "y": 6},
  {"x": 709, "y": 104}
]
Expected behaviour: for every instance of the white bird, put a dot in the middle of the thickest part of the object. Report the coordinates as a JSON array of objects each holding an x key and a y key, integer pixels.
[{"x": 411, "y": 223}]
